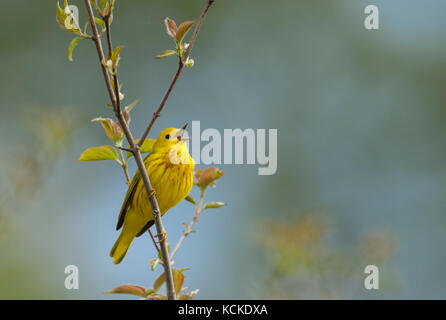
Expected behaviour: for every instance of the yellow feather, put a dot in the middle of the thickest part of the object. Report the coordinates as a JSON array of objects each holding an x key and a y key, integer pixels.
[{"x": 171, "y": 181}]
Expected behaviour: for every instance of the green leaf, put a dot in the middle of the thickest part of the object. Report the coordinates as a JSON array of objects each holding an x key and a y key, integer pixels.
[
  {"x": 103, "y": 3},
  {"x": 60, "y": 16},
  {"x": 159, "y": 282},
  {"x": 72, "y": 46},
  {"x": 178, "y": 279},
  {"x": 63, "y": 16},
  {"x": 100, "y": 23},
  {"x": 149, "y": 291},
  {"x": 86, "y": 26},
  {"x": 191, "y": 200},
  {"x": 114, "y": 56},
  {"x": 160, "y": 254},
  {"x": 214, "y": 205},
  {"x": 129, "y": 289},
  {"x": 146, "y": 147},
  {"x": 154, "y": 263},
  {"x": 183, "y": 29},
  {"x": 99, "y": 154},
  {"x": 166, "y": 54},
  {"x": 131, "y": 106},
  {"x": 113, "y": 130},
  {"x": 96, "y": 6}
]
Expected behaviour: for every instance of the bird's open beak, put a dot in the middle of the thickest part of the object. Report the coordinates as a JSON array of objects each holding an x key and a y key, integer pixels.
[{"x": 181, "y": 133}]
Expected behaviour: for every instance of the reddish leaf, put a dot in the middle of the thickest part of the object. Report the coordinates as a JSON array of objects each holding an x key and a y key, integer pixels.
[
  {"x": 129, "y": 289},
  {"x": 171, "y": 27},
  {"x": 183, "y": 29},
  {"x": 207, "y": 177}
]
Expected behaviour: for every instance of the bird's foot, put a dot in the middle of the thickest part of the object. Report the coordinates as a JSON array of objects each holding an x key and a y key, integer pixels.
[{"x": 162, "y": 236}]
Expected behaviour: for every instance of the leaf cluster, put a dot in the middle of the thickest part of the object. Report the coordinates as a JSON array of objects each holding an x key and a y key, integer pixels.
[{"x": 153, "y": 293}]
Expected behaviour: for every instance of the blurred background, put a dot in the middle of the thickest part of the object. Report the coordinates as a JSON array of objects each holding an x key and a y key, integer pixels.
[{"x": 361, "y": 173}]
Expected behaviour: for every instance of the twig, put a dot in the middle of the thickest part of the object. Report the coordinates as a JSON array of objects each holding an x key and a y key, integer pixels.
[
  {"x": 154, "y": 241},
  {"x": 124, "y": 167},
  {"x": 197, "y": 29},
  {"x": 114, "y": 96},
  {"x": 198, "y": 211},
  {"x": 125, "y": 149},
  {"x": 181, "y": 65}
]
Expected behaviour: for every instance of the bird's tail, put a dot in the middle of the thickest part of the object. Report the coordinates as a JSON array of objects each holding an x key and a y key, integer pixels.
[{"x": 121, "y": 246}]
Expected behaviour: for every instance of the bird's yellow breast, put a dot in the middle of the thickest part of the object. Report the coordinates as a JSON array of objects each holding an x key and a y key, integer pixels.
[{"x": 171, "y": 182}]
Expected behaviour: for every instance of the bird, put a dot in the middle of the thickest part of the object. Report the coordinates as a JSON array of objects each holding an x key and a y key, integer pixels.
[{"x": 170, "y": 168}]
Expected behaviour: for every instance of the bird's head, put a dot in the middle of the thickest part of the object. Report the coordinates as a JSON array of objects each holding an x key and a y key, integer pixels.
[{"x": 171, "y": 137}]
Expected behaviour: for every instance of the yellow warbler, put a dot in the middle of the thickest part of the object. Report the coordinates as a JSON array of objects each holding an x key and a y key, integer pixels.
[{"x": 170, "y": 169}]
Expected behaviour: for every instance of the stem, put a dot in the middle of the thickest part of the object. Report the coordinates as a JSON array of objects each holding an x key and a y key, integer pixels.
[
  {"x": 197, "y": 29},
  {"x": 114, "y": 96},
  {"x": 153, "y": 240},
  {"x": 198, "y": 211},
  {"x": 124, "y": 167},
  {"x": 157, "y": 113}
]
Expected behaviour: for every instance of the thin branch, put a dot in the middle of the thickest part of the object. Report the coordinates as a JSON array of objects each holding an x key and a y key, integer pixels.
[
  {"x": 154, "y": 241},
  {"x": 197, "y": 29},
  {"x": 124, "y": 167},
  {"x": 97, "y": 41},
  {"x": 198, "y": 211},
  {"x": 125, "y": 149},
  {"x": 114, "y": 96},
  {"x": 181, "y": 65},
  {"x": 157, "y": 113}
]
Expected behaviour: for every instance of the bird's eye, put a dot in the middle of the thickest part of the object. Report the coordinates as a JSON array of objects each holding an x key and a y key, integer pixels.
[{"x": 168, "y": 137}]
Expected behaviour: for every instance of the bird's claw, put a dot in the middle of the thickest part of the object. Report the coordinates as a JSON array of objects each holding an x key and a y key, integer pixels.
[{"x": 162, "y": 236}]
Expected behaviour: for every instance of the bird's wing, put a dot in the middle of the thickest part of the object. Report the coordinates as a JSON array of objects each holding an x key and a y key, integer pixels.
[{"x": 128, "y": 198}]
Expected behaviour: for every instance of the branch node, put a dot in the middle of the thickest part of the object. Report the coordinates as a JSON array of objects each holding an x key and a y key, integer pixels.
[
  {"x": 126, "y": 149},
  {"x": 155, "y": 212}
]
